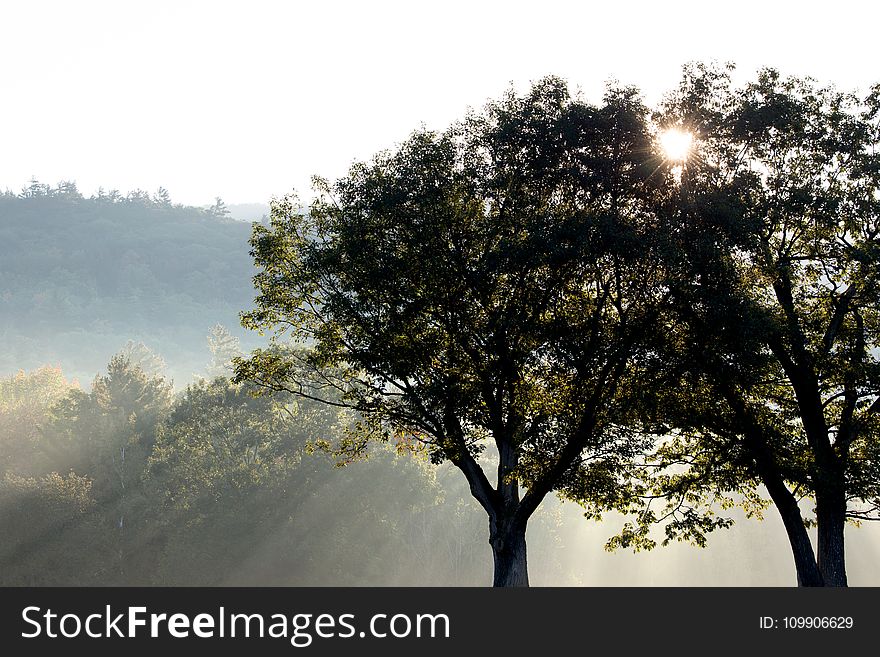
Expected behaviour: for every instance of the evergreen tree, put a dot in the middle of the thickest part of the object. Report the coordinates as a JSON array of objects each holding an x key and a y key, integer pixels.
[
  {"x": 141, "y": 356},
  {"x": 224, "y": 347},
  {"x": 162, "y": 197},
  {"x": 219, "y": 209}
]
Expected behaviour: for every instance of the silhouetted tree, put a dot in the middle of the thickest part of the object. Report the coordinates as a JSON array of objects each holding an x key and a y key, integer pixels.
[
  {"x": 139, "y": 197},
  {"x": 772, "y": 374},
  {"x": 162, "y": 197},
  {"x": 487, "y": 287},
  {"x": 68, "y": 189},
  {"x": 219, "y": 209},
  {"x": 34, "y": 189}
]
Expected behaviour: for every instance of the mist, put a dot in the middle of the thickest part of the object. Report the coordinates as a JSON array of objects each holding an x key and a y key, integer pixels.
[{"x": 129, "y": 457}]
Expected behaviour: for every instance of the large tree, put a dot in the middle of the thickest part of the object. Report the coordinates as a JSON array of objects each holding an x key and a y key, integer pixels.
[
  {"x": 107, "y": 435},
  {"x": 772, "y": 373},
  {"x": 484, "y": 292}
]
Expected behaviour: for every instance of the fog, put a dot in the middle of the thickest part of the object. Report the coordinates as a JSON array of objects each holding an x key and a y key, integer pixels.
[{"x": 129, "y": 458}]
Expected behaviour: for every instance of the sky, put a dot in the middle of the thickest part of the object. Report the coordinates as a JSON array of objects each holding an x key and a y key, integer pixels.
[{"x": 246, "y": 101}]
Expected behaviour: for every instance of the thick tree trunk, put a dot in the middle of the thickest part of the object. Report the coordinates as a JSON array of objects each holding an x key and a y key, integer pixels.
[
  {"x": 509, "y": 552},
  {"x": 801, "y": 547},
  {"x": 807, "y": 569},
  {"x": 831, "y": 518}
]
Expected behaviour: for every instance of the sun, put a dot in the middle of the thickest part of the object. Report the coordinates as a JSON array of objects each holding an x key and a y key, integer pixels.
[{"x": 676, "y": 144}]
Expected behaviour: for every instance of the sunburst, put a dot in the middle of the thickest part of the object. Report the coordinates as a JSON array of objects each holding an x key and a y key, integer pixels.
[{"x": 676, "y": 144}]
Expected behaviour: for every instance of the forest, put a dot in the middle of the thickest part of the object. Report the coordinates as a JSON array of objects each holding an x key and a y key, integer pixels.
[
  {"x": 668, "y": 315},
  {"x": 129, "y": 484},
  {"x": 136, "y": 464},
  {"x": 81, "y": 276}
]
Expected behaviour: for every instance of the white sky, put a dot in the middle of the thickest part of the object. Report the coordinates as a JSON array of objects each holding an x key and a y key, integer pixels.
[{"x": 244, "y": 100}]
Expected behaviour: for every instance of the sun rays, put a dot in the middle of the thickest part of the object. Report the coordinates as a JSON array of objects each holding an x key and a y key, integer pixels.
[{"x": 676, "y": 144}]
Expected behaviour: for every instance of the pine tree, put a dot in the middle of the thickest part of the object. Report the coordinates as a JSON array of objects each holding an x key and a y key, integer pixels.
[
  {"x": 162, "y": 197},
  {"x": 140, "y": 355},
  {"x": 223, "y": 347},
  {"x": 219, "y": 209}
]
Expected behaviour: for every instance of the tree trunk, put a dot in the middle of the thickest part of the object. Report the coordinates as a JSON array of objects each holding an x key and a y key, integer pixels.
[
  {"x": 831, "y": 518},
  {"x": 805, "y": 565},
  {"x": 509, "y": 552},
  {"x": 808, "y": 573}
]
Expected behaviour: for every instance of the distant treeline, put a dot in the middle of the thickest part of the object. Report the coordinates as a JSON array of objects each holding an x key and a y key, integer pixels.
[{"x": 80, "y": 276}]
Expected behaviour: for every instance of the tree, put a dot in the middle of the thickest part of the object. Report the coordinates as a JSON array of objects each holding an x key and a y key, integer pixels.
[
  {"x": 221, "y": 440},
  {"x": 67, "y": 189},
  {"x": 162, "y": 198},
  {"x": 108, "y": 435},
  {"x": 25, "y": 403},
  {"x": 142, "y": 357},
  {"x": 219, "y": 209},
  {"x": 34, "y": 189},
  {"x": 139, "y": 197},
  {"x": 241, "y": 496},
  {"x": 772, "y": 374},
  {"x": 224, "y": 348},
  {"x": 486, "y": 287},
  {"x": 222, "y": 463}
]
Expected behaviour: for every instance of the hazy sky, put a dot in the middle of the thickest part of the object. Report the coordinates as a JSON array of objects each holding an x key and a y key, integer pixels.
[{"x": 248, "y": 99}]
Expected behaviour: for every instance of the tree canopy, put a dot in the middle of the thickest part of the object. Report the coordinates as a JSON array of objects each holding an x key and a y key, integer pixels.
[
  {"x": 485, "y": 287},
  {"x": 232, "y": 491},
  {"x": 771, "y": 371},
  {"x": 618, "y": 323},
  {"x": 660, "y": 313}
]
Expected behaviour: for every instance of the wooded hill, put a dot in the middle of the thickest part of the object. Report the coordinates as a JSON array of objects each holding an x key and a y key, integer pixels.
[{"x": 79, "y": 277}]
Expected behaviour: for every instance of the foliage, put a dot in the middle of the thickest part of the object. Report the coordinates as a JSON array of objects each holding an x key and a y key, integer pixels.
[
  {"x": 25, "y": 400},
  {"x": 145, "y": 359},
  {"x": 490, "y": 285},
  {"x": 771, "y": 369},
  {"x": 233, "y": 492},
  {"x": 224, "y": 347},
  {"x": 221, "y": 442},
  {"x": 49, "y": 532},
  {"x": 80, "y": 276}
]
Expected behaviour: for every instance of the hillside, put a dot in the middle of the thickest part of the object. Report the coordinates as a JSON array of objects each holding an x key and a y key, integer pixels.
[{"x": 79, "y": 277}]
